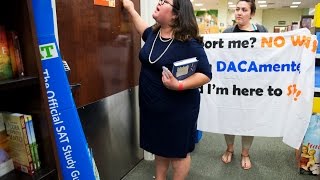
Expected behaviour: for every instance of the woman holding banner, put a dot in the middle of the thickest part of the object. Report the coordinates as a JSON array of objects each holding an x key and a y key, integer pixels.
[
  {"x": 245, "y": 10},
  {"x": 169, "y": 108}
]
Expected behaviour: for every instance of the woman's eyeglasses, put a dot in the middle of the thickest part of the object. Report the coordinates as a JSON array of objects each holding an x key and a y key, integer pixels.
[{"x": 161, "y": 2}]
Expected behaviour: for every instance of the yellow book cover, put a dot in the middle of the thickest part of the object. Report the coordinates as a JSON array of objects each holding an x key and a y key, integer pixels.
[{"x": 19, "y": 149}]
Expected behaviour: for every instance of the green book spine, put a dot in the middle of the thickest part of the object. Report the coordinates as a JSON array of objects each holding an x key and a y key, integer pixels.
[
  {"x": 28, "y": 121},
  {"x": 34, "y": 145}
]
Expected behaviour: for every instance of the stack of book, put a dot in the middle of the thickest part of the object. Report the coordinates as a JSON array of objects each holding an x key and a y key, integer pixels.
[{"x": 22, "y": 145}]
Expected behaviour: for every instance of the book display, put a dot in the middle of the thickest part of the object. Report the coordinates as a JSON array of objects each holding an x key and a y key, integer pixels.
[
  {"x": 27, "y": 138},
  {"x": 310, "y": 150},
  {"x": 309, "y": 158}
]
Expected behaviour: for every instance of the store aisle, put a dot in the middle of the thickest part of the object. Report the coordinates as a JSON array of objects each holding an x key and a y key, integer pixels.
[{"x": 271, "y": 159}]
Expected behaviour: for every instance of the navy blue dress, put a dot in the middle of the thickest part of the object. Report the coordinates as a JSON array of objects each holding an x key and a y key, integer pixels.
[{"x": 168, "y": 118}]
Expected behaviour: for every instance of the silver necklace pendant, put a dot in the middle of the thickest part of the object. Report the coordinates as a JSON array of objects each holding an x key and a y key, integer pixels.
[{"x": 154, "y": 41}]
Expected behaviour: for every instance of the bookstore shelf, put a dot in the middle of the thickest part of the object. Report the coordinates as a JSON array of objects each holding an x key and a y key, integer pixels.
[
  {"x": 42, "y": 174},
  {"x": 27, "y": 94},
  {"x": 18, "y": 83}
]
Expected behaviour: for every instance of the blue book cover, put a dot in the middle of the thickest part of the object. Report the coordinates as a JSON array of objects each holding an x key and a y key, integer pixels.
[
  {"x": 184, "y": 68},
  {"x": 310, "y": 150},
  {"x": 318, "y": 38},
  {"x": 317, "y": 77}
]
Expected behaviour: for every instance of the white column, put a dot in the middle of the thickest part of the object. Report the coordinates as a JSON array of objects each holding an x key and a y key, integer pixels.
[
  {"x": 147, "y": 8},
  {"x": 222, "y": 13}
]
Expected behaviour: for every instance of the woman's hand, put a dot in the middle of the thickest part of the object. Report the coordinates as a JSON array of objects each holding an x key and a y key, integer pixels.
[
  {"x": 138, "y": 22},
  {"x": 128, "y": 5},
  {"x": 170, "y": 81}
]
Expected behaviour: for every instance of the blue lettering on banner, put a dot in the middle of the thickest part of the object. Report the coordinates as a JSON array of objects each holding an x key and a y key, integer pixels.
[{"x": 252, "y": 66}]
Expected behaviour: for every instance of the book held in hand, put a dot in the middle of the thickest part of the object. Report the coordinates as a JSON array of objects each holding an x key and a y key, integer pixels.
[{"x": 184, "y": 68}]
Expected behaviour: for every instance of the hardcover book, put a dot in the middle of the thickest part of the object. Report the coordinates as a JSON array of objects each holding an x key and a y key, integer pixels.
[
  {"x": 184, "y": 68},
  {"x": 18, "y": 142},
  {"x": 318, "y": 38},
  {"x": 6, "y": 164},
  {"x": 15, "y": 54},
  {"x": 5, "y": 64},
  {"x": 32, "y": 141}
]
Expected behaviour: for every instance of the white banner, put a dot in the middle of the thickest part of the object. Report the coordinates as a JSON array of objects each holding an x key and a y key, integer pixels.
[{"x": 262, "y": 84}]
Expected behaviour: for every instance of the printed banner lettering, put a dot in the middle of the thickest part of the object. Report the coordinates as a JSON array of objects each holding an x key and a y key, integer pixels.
[{"x": 262, "y": 84}]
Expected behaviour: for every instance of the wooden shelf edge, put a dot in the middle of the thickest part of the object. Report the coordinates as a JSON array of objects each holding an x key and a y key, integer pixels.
[
  {"x": 39, "y": 175},
  {"x": 17, "y": 83}
]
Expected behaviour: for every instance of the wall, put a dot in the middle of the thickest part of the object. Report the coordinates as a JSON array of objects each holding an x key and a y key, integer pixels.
[
  {"x": 147, "y": 8},
  {"x": 272, "y": 16},
  {"x": 222, "y": 13},
  {"x": 257, "y": 19},
  {"x": 101, "y": 47}
]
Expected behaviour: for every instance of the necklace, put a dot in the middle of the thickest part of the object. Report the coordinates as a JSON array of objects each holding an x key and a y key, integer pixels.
[
  {"x": 154, "y": 41},
  {"x": 162, "y": 39}
]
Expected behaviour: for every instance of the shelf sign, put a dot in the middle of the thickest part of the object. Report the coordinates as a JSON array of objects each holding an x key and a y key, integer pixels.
[
  {"x": 75, "y": 160},
  {"x": 109, "y": 3}
]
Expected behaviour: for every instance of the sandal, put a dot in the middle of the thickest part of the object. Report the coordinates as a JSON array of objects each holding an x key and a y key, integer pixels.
[
  {"x": 227, "y": 156},
  {"x": 245, "y": 162}
]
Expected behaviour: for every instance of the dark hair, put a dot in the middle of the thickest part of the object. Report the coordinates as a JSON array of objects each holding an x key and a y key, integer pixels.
[
  {"x": 252, "y": 5},
  {"x": 185, "y": 25}
]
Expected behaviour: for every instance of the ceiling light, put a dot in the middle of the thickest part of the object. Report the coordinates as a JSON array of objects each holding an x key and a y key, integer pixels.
[
  {"x": 262, "y": 2},
  {"x": 230, "y": 3},
  {"x": 203, "y": 9},
  {"x": 232, "y": 6},
  {"x": 263, "y": 5},
  {"x": 198, "y": 4},
  {"x": 293, "y": 6},
  {"x": 296, "y": 2}
]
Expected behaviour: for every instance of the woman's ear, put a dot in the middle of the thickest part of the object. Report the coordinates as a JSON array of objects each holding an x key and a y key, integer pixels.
[
  {"x": 174, "y": 17},
  {"x": 251, "y": 16}
]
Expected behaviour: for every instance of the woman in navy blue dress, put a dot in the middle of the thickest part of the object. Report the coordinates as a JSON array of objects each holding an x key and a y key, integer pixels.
[{"x": 169, "y": 108}]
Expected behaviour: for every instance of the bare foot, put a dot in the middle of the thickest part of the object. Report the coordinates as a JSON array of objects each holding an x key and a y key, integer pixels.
[
  {"x": 227, "y": 156},
  {"x": 245, "y": 162}
]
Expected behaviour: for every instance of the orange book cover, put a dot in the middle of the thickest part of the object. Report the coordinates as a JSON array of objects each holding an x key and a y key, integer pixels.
[{"x": 109, "y": 3}]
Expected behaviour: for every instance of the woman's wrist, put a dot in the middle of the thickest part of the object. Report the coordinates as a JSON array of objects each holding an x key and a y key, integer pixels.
[{"x": 180, "y": 86}]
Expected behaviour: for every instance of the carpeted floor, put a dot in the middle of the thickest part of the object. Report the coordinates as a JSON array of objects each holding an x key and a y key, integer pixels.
[{"x": 271, "y": 159}]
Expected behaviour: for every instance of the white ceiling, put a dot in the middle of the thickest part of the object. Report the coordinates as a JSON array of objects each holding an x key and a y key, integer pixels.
[{"x": 213, "y": 4}]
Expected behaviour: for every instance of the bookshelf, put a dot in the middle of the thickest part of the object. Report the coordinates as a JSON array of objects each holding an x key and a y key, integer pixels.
[
  {"x": 8, "y": 84},
  {"x": 27, "y": 94}
]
